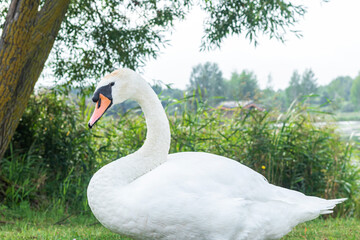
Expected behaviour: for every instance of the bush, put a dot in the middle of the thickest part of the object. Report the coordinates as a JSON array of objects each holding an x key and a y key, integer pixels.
[
  {"x": 289, "y": 149},
  {"x": 51, "y": 143},
  {"x": 21, "y": 178},
  {"x": 348, "y": 107}
]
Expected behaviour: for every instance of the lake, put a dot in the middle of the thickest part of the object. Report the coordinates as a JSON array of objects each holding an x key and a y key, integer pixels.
[{"x": 348, "y": 128}]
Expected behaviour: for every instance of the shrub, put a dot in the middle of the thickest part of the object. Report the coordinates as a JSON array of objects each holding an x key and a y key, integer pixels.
[
  {"x": 51, "y": 137},
  {"x": 290, "y": 149}
]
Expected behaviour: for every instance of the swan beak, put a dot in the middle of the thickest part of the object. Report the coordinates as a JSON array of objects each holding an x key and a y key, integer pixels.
[{"x": 101, "y": 106}]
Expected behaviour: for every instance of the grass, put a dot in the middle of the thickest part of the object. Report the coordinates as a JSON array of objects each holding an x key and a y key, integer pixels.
[
  {"x": 28, "y": 224},
  {"x": 329, "y": 229},
  {"x": 52, "y": 159}
]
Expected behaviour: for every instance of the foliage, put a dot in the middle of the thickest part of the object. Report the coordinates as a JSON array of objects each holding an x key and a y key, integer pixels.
[
  {"x": 334, "y": 97},
  {"x": 114, "y": 38},
  {"x": 355, "y": 92},
  {"x": 207, "y": 84},
  {"x": 301, "y": 86},
  {"x": 206, "y": 81},
  {"x": 308, "y": 82},
  {"x": 294, "y": 89},
  {"x": 51, "y": 150},
  {"x": 242, "y": 86},
  {"x": 340, "y": 87},
  {"x": 3, "y": 11},
  {"x": 248, "y": 17},
  {"x": 20, "y": 178},
  {"x": 290, "y": 150},
  {"x": 57, "y": 224},
  {"x": 117, "y": 33},
  {"x": 94, "y": 37},
  {"x": 98, "y": 36}
]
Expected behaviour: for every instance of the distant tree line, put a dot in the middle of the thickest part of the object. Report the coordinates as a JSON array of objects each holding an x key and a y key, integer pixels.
[{"x": 207, "y": 84}]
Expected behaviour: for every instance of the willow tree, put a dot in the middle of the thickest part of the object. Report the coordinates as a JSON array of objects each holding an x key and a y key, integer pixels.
[
  {"x": 89, "y": 38},
  {"x": 27, "y": 38}
]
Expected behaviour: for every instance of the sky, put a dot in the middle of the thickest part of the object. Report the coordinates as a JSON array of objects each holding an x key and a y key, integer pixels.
[{"x": 330, "y": 46}]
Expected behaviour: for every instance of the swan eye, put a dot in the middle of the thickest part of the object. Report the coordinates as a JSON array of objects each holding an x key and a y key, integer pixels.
[
  {"x": 95, "y": 98},
  {"x": 104, "y": 90}
]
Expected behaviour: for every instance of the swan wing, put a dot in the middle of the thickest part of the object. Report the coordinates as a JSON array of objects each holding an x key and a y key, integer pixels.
[{"x": 205, "y": 196}]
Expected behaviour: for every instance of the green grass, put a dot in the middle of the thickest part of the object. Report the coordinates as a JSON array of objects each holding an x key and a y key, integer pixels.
[
  {"x": 51, "y": 225},
  {"x": 329, "y": 229},
  {"x": 52, "y": 159},
  {"x": 28, "y": 224}
]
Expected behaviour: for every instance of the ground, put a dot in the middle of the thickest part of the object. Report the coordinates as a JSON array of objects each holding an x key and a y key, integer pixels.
[{"x": 50, "y": 225}]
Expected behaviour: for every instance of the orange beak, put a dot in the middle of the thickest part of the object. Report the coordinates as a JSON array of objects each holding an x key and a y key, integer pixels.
[{"x": 101, "y": 106}]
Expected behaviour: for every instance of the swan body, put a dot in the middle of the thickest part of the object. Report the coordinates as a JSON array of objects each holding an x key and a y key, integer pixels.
[{"x": 191, "y": 195}]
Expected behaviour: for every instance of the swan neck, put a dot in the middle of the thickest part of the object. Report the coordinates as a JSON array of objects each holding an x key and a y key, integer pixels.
[
  {"x": 112, "y": 179},
  {"x": 157, "y": 142}
]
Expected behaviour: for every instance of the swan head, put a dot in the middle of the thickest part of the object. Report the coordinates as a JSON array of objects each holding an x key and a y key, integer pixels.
[{"x": 114, "y": 88}]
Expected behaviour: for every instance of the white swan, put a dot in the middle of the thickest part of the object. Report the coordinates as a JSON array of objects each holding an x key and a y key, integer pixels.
[{"x": 191, "y": 195}]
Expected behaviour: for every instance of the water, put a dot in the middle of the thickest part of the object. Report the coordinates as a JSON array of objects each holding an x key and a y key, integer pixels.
[{"x": 349, "y": 128}]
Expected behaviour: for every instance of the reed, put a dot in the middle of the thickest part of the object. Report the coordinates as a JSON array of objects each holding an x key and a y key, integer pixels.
[{"x": 289, "y": 149}]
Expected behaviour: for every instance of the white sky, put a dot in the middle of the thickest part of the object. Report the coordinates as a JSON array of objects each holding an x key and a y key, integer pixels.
[{"x": 330, "y": 46}]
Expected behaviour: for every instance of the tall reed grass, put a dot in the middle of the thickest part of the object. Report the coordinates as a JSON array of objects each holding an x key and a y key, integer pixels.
[{"x": 58, "y": 154}]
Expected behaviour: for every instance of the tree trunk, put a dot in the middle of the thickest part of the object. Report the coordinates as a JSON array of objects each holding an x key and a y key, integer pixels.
[{"x": 27, "y": 38}]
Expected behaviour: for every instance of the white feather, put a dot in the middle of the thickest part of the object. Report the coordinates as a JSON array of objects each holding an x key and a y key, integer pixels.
[{"x": 192, "y": 195}]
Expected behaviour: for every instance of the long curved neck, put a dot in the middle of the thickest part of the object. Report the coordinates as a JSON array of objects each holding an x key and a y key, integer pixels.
[
  {"x": 157, "y": 142},
  {"x": 112, "y": 179}
]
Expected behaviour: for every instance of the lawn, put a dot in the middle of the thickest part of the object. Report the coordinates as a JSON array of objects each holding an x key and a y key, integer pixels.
[
  {"x": 51, "y": 225},
  {"x": 329, "y": 229},
  {"x": 48, "y": 225}
]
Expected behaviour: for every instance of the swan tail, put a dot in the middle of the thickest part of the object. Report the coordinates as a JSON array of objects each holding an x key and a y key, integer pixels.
[{"x": 330, "y": 204}]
